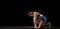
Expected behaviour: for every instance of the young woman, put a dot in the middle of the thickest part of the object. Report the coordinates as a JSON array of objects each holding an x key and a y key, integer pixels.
[{"x": 38, "y": 18}]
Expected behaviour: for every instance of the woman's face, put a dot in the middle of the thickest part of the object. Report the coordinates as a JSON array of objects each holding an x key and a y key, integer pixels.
[{"x": 31, "y": 13}]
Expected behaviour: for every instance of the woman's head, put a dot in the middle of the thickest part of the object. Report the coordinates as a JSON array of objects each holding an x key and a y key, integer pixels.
[{"x": 31, "y": 13}]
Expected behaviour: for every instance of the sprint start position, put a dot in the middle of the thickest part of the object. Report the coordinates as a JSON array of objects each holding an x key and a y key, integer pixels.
[{"x": 38, "y": 19}]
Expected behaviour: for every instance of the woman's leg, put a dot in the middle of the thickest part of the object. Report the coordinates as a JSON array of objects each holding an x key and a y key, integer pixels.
[
  {"x": 40, "y": 24},
  {"x": 36, "y": 23}
]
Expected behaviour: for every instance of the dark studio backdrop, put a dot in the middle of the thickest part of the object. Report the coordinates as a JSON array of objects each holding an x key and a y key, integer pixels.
[{"x": 15, "y": 13}]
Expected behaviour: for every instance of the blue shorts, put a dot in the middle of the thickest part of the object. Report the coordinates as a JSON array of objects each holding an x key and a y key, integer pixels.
[{"x": 44, "y": 19}]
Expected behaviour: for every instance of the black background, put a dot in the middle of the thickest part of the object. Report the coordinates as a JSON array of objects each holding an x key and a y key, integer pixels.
[{"x": 15, "y": 13}]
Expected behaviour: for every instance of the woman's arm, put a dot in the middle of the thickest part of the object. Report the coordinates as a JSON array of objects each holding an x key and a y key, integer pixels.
[{"x": 34, "y": 20}]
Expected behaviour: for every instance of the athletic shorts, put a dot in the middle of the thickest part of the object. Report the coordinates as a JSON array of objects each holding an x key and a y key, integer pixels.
[{"x": 43, "y": 18}]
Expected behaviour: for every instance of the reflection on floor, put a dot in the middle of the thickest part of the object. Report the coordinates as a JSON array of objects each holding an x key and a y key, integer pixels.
[{"x": 25, "y": 27}]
